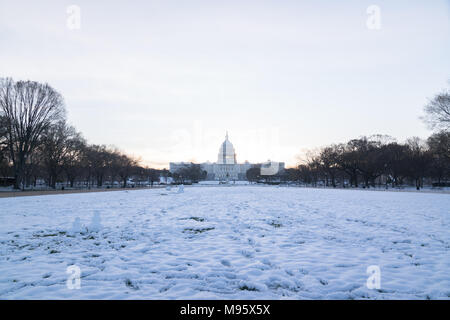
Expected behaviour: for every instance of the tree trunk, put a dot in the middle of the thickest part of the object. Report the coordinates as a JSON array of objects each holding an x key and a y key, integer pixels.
[
  {"x": 53, "y": 181},
  {"x": 99, "y": 181},
  {"x": 16, "y": 181},
  {"x": 366, "y": 182}
]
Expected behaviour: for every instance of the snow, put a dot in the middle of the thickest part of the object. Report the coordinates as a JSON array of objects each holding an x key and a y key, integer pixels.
[
  {"x": 216, "y": 182},
  {"x": 76, "y": 227},
  {"x": 96, "y": 223},
  {"x": 226, "y": 242}
]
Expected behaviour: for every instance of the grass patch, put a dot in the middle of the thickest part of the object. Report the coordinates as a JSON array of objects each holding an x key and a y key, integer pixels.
[
  {"x": 247, "y": 288},
  {"x": 275, "y": 224},
  {"x": 131, "y": 285},
  {"x": 44, "y": 235},
  {"x": 197, "y": 219},
  {"x": 323, "y": 282},
  {"x": 197, "y": 230}
]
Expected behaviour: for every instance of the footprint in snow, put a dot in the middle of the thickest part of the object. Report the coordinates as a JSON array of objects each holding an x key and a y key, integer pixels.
[
  {"x": 247, "y": 254},
  {"x": 225, "y": 262}
]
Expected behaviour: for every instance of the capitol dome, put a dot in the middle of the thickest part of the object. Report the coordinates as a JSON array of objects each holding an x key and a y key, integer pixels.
[{"x": 226, "y": 153}]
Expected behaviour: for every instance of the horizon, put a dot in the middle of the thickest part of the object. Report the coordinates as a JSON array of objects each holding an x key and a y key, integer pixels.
[{"x": 164, "y": 81}]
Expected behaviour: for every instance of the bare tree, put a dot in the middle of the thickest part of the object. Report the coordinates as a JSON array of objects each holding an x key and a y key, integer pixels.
[
  {"x": 253, "y": 174},
  {"x": 371, "y": 161},
  {"x": 419, "y": 160},
  {"x": 33, "y": 169},
  {"x": 3, "y": 133},
  {"x": 125, "y": 168},
  {"x": 29, "y": 108},
  {"x": 74, "y": 156},
  {"x": 396, "y": 162},
  {"x": 98, "y": 161},
  {"x": 55, "y": 149},
  {"x": 165, "y": 174},
  {"x": 439, "y": 145},
  {"x": 4, "y": 161},
  {"x": 348, "y": 160},
  {"x": 328, "y": 159},
  {"x": 153, "y": 175},
  {"x": 437, "y": 112}
]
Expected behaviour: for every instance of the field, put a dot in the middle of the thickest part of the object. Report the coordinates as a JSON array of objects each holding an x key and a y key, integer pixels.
[{"x": 226, "y": 242}]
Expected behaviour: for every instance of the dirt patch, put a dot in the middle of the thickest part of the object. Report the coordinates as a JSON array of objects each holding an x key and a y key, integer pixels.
[{"x": 10, "y": 194}]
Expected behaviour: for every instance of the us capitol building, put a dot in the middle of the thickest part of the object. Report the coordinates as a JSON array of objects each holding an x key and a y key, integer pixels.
[{"x": 226, "y": 168}]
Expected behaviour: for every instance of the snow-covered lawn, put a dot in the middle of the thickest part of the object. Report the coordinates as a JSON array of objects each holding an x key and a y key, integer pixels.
[{"x": 227, "y": 242}]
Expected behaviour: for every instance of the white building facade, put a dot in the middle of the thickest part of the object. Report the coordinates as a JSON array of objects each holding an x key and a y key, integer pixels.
[{"x": 226, "y": 168}]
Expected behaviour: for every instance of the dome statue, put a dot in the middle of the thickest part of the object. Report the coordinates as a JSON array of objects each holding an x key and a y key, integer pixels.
[{"x": 226, "y": 153}]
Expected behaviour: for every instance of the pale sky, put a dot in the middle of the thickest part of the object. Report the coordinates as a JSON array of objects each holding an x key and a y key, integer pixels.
[{"x": 164, "y": 80}]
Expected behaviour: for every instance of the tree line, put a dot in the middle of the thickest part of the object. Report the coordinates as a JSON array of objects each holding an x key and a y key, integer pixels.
[
  {"x": 37, "y": 144},
  {"x": 379, "y": 159}
]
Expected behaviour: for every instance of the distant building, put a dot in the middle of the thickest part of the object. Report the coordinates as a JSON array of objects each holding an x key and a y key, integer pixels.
[{"x": 226, "y": 168}]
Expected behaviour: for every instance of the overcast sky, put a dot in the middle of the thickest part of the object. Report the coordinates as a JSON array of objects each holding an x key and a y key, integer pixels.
[{"x": 164, "y": 80}]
